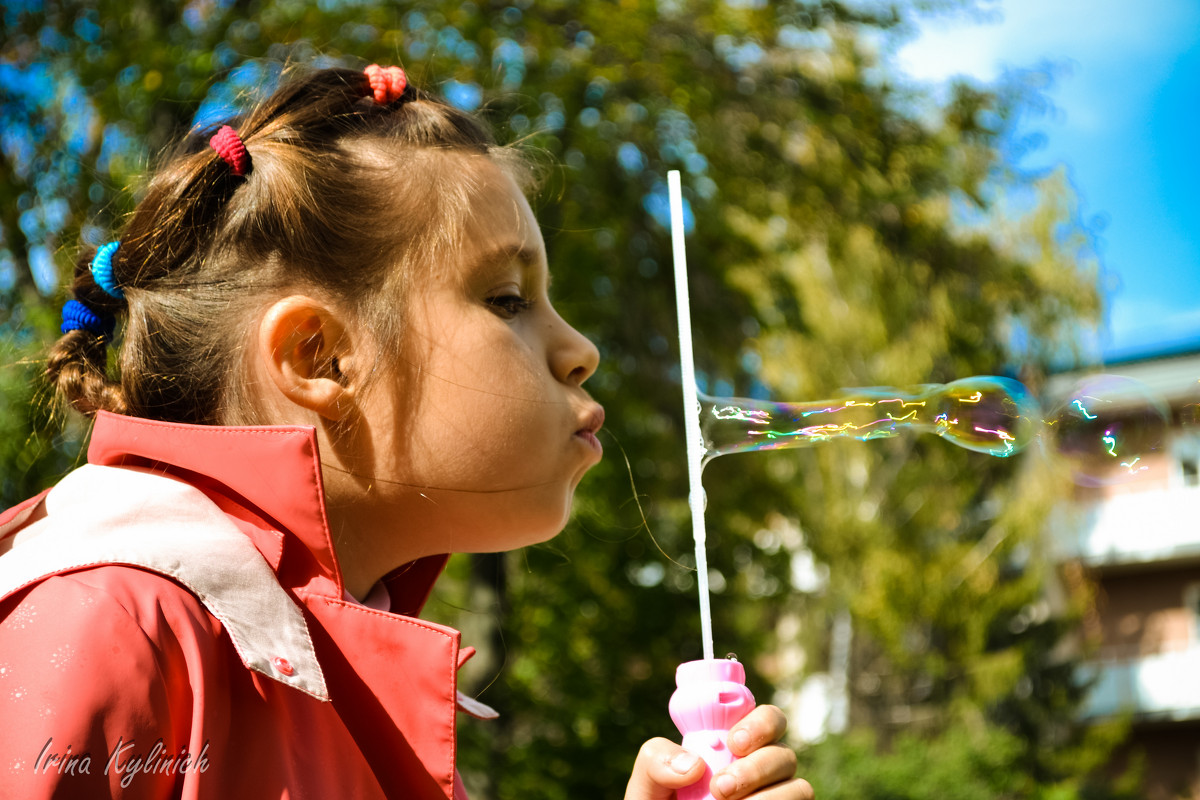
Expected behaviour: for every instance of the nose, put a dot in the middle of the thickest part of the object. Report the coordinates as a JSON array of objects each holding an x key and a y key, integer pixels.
[{"x": 573, "y": 357}]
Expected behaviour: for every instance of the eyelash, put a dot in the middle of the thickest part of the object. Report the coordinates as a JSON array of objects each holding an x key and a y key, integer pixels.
[{"x": 509, "y": 305}]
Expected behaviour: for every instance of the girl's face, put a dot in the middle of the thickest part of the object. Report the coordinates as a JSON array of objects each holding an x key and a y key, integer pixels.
[{"x": 480, "y": 440}]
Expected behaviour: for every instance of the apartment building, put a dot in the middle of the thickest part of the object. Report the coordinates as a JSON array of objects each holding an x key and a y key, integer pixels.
[{"x": 1134, "y": 526}]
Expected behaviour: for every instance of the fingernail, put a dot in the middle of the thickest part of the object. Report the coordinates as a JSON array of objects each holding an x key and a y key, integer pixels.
[
  {"x": 741, "y": 741},
  {"x": 684, "y": 762},
  {"x": 726, "y": 785}
]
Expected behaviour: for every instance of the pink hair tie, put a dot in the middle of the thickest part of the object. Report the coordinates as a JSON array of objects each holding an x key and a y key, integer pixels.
[
  {"x": 387, "y": 83},
  {"x": 230, "y": 148}
]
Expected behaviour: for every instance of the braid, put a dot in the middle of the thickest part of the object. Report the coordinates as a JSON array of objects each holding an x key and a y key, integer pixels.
[{"x": 77, "y": 364}]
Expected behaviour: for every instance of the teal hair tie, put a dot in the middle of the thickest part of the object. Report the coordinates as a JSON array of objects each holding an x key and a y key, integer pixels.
[{"x": 102, "y": 270}]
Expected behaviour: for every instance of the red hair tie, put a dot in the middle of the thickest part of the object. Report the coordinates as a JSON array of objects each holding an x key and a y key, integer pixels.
[
  {"x": 387, "y": 83},
  {"x": 230, "y": 148}
]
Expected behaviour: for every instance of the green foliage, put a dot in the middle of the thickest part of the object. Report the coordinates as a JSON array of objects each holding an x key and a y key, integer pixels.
[
  {"x": 35, "y": 447},
  {"x": 957, "y": 764},
  {"x": 848, "y": 231}
]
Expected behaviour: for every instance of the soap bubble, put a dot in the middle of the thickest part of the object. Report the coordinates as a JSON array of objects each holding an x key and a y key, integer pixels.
[
  {"x": 1108, "y": 429},
  {"x": 986, "y": 414}
]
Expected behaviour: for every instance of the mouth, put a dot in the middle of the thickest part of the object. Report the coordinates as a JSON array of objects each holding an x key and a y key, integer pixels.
[{"x": 592, "y": 424}]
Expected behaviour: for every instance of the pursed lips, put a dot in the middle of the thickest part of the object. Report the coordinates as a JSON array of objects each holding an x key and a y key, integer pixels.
[{"x": 588, "y": 430}]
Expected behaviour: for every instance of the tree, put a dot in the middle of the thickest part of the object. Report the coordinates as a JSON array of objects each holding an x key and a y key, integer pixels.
[{"x": 846, "y": 231}]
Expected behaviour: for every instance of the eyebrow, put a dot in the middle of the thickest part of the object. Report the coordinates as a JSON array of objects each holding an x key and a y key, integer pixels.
[
  {"x": 505, "y": 254},
  {"x": 511, "y": 252}
]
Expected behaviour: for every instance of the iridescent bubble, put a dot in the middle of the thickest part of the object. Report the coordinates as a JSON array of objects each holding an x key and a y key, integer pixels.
[
  {"x": 997, "y": 416},
  {"x": 1108, "y": 429},
  {"x": 986, "y": 414}
]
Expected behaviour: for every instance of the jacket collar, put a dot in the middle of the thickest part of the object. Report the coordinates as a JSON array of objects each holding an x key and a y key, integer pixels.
[
  {"x": 273, "y": 472},
  {"x": 110, "y": 515}
]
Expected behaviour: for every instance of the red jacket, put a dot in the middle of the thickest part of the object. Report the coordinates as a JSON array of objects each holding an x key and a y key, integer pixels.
[{"x": 173, "y": 623}]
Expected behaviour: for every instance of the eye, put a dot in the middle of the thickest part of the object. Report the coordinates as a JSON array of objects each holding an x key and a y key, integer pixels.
[{"x": 508, "y": 305}]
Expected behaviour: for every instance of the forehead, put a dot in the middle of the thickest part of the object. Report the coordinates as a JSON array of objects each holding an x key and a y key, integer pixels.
[
  {"x": 497, "y": 209},
  {"x": 498, "y": 223},
  {"x": 450, "y": 205}
]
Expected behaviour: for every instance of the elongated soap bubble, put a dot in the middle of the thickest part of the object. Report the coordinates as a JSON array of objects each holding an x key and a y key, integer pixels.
[
  {"x": 985, "y": 414},
  {"x": 1108, "y": 429}
]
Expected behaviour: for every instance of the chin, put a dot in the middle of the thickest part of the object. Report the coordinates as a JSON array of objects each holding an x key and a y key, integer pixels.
[
  {"x": 537, "y": 518},
  {"x": 548, "y": 532},
  {"x": 546, "y": 528}
]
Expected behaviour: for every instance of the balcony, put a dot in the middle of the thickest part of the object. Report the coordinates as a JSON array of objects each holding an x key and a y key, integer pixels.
[
  {"x": 1158, "y": 525},
  {"x": 1161, "y": 686}
]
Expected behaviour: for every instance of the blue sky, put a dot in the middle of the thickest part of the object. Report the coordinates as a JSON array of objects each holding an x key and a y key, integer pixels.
[{"x": 1127, "y": 107}]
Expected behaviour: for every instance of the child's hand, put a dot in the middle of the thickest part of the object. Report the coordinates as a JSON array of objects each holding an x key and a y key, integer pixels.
[{"x": 766, "y": 769}]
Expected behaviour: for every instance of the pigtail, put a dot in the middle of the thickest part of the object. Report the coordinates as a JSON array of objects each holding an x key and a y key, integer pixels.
[
  {"x": 163, "y": 235},
  {"x": 180, "y": 216},
  {"x": 77, "y": 364}
]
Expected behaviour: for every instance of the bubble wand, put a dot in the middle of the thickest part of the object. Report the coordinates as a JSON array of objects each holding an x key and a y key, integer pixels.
[
  {"x": 711, "y": 694},
  {"x": 691, "y": 409}
]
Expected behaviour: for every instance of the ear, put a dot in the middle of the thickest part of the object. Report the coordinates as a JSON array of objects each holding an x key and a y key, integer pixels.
[{"x": 305, "y": 347}]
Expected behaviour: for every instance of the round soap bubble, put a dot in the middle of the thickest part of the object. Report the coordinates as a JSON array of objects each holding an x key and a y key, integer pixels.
[
  {"x": 1109, "y": 429},
  {"x": 987, "y": 414}
]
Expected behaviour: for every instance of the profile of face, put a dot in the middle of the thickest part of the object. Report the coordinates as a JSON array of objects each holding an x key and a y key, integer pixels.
[{"x": 484, "y": 431}]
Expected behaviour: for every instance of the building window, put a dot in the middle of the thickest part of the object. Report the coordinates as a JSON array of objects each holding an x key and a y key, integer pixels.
[
  {"x": 1190, "y": 466},
  {"x": 1191, "y": 602},
  {"x": 1186, "y": 451}
]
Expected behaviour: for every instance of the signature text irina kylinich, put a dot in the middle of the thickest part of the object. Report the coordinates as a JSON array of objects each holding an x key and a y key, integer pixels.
[{"x": 123, "y": 761}]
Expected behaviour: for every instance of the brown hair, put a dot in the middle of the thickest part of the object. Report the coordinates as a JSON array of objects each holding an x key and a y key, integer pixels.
[{"x": 346, "y": 197}]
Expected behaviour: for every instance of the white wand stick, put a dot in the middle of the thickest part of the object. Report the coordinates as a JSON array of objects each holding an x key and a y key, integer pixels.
[{"x": 691, "y": 408}]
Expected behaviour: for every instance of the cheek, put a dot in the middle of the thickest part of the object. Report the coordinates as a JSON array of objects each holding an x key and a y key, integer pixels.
[
  {"x": 475, "y": 412},
  {"x": 489, "y": 392},
  {"x": 474, "y": 440},
  {"x": 499, "y": 363}
]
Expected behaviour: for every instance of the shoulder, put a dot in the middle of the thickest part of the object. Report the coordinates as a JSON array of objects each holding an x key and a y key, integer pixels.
[
  {"x": 102, "y": 626},
  {"x": 107, "y": 596},
  {"x": 92, "y": 658},
  {"x": 181, "y": 542}
]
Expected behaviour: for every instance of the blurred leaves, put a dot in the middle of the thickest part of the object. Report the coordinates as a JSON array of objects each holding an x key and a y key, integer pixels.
[{"x": 959, "y": 763}]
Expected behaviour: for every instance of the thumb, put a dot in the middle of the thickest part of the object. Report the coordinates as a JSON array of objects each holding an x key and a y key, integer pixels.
[{"x": 662, "y": 767}]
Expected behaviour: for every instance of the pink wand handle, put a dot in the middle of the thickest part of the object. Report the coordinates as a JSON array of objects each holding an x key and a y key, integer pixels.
[{"x": 711, "y": 697}]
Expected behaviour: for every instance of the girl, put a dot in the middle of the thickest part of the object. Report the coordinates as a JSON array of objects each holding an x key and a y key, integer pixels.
[{"x": 339, "y": 365}]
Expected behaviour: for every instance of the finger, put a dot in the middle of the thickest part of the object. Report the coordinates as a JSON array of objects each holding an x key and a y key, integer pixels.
[
  {"x": 662, "y": 767},
  {"x": 764, "y": 767},
  {"x": 795, "y": 789},
  {"x": 763, "y": 726}
]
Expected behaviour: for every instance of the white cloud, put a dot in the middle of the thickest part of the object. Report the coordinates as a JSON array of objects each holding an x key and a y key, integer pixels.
[
  {"x": 1138, "y": 322},
  {"x": 1031, "y": 31}
]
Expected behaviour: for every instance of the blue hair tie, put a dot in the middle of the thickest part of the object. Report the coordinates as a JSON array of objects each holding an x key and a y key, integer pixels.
[
  {"x": 78, "y": 317},
  {"x": 102, "y": 271}
]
